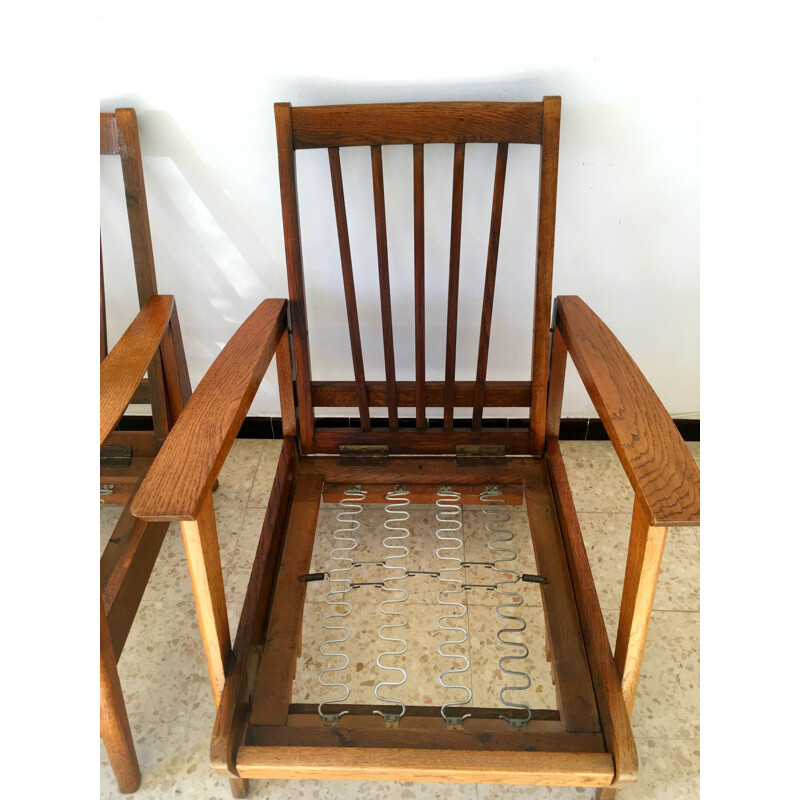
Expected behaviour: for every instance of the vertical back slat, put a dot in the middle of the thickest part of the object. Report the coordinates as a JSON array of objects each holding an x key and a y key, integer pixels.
[
  {"x": 294, "y": 269},
  {"x": 383, "y": 277},
  {"x": 544, "y": 270},
  {"x": 133, "y": 176},
  {"x": 488, "y": 289},
  {"x": 103, "y": 325},
  {"x": 349, "y": 286},
  {"x": 452, "y": 285},
  {"x": 419, "y": 280}
]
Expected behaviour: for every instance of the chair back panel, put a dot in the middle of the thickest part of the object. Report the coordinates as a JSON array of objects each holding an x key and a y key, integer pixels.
[{"x": 417, "y": 124}]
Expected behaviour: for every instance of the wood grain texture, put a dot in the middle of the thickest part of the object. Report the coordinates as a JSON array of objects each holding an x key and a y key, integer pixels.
[
  {"x": 645, "y": 550},
  {"x": 123, "y": 367},
  {"x": 231, "y": 718},
  {"x": 294, "y": 273},
  {"x": 384, "y": 285},
  {"x": 130, "y": 153},
  {"x": 115, "y": 728},
  {"x": 108, "y": 135},
  {"x": 349, "y": 286},
  {"x": 608, "y": 690},
  {"x": 452, "y": 285},
  {"x": 661, "y": 470},
  {"x": 555, "y": 386},
  {"x": 548, "y": 182},
  {"x": 497, "y": 394},
  {"x": 286, "y": 387},
  {"x": 489, "y": 283},
  {"x": 273, "y": 690},
  {"x": 419, "y": 281},
  {"x": 576, "y": 700},
  {"x": 447, "y": 766},
  {"x": 205, "y": 569},
  {"x": 415, "y": 123},
  {"x": 190, "y": 460}
]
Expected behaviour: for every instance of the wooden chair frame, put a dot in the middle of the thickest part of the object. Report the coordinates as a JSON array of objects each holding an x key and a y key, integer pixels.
[
  {"x": 152, "y": 344},
  {"x": 259, "y": 732}
]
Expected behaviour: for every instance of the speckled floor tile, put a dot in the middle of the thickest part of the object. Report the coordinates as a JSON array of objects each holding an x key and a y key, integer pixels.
[
  {"x": 490, "y": 792},
  {"x": 485, "y": 650},
  {"x": 668, "y": 697},
  {"x": 362, "y": 790},
  {"x": 596, "y": 477},
  {"x": 606, "y": 538},
  {"x": 238, "y": 473},
  {"x": 265, "y": 473},
  {"x": 109, "y": 516},
  {"x": 668, "y": 769}
]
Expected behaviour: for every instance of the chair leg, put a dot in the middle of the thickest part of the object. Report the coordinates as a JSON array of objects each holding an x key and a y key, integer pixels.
[
  {"x": 114, "y": 726},
  {"x": 605, "y": 794},
  {"x": 239, "y": 787},
  {"x": 202, "y": 554},
  {"x": 641, "y": 576}
]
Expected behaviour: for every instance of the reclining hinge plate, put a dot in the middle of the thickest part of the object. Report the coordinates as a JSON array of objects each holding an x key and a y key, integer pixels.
[
  {"x": 363, "y": 455},
  {"x": 480, "y": 455}
]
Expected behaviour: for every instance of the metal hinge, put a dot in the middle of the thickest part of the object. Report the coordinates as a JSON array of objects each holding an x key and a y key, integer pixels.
[
  {"x": 116, "y": 455},
  {"x": 480, "y": 455},
  {"x": 363, "y": 455}
]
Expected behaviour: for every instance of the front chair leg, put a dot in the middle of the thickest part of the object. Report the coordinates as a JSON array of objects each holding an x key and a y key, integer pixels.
[
  {"x": 645, "y": 551},
  {"x": 202, "y": 554}
]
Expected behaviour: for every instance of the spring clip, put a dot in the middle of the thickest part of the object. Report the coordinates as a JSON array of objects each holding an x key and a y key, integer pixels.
[
  {"x": 397, "y": 500},
  {"x": 500, "y": 544},
  {"x": 351, "y": 507},
  {"x": 449, "y": 515}
]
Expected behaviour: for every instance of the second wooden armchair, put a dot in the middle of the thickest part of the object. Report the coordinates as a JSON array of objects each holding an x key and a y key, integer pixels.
[{"x": 259, "y": 731}]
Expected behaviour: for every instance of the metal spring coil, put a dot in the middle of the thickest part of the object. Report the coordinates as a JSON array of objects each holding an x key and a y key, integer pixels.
[
  {"x": 397, "y": 500},
  {"x": 499, "y": 544},
  {"x": 351, "y": 508},
  {"x": 449, "y": 504}
]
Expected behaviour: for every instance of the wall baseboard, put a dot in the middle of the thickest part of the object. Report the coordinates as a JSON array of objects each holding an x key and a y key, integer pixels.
[{"x": 576, "y": 429}]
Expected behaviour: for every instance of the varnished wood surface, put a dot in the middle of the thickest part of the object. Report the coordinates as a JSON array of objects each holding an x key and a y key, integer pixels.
[
  {"x": 415, "y": 123},
  {"x": 108, "y": 135},
  {"x": 548, "y": 181},
  {"x": 123, "y": 367},
  {"x": 343, "y": 394},
  {"x": 434, "y": 441},
  {"x": 351, "y": 306},
  {"x": 645, "y": 550},
  {"x": 489, "y": 284},
  {"x": 576, "y": 701},
  {"x": 115, "y": 728},
  {"x": 232, "y": 712},
  {"x": 286, "y": 387},
  {"x": 655, "y": 457},
  {"x": 273, "y": 689},
  {"x": 294, "y": 273},
  {"x": 190, "y": 460},
  {"x": 605, "y": 678},
  {"x": 555, "y": 387},
  {"x": 452, "y": 285},
  {"x": 448, "y": 766},
  {"x": 384, "y": 285}
]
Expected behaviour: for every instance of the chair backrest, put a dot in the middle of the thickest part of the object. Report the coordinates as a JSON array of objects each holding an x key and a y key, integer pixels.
[
  {"x": 417, "y": 124},
  {"x": 119, "y": 136}
]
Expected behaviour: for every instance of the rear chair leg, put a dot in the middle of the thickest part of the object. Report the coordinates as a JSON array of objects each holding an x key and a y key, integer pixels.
[{"x": 114, "y": 726}]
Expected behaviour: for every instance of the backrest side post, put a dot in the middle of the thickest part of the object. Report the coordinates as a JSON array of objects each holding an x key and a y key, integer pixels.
[
  {"x": 551, "y": 124},
  {"x": 294, "y": 269}
]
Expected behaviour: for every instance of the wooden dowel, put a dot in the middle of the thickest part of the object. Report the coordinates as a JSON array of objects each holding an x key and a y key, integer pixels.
[
  {"x": 349, "y": 286},
  {"x": 452, "y": 286},
  {"x": 383, "y": 278},
  {"x": 419, "y": 280},
  {"x": 488, "y": 288}
]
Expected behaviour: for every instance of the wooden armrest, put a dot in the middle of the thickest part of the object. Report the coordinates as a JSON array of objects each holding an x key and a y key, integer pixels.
[
  {"x": 655, "y": 457},
  {"x": 193, "y": 453},
  {"x": 122, "y": 369}
]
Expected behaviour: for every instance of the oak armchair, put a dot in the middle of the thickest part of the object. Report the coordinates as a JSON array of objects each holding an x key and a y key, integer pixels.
[{"x": 260, "y": 732}]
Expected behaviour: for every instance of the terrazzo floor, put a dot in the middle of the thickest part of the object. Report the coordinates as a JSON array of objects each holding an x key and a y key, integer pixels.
[{"x": 169, "y": 701}]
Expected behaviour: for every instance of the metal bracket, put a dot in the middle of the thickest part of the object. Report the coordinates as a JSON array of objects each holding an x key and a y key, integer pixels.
[
  {"x": 116, "y": 455},
  {"x": 363, "y": 455},
  {"x": 480, "y": 455}
]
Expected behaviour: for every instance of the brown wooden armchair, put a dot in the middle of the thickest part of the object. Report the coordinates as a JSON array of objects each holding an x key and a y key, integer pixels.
[
  {"x": 152, "y": 344},
  {"x": 259, "y": 731}
]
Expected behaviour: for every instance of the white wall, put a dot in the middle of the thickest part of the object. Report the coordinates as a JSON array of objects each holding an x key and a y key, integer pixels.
[{"x": 627, "y": 235}]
